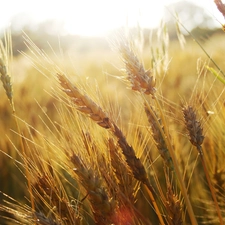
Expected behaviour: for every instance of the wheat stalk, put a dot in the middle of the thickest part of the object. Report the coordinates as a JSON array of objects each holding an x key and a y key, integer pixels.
[
  {"x": 5, "y": 77},
  {"x": 103, "y": 206},
  {"x": 156, "y": 127},
  {"x": 122, "y": 172},
  {"x": 84, "y": 104},
  {"x": 195, "y": 130},
  {"x": 148, "y": 88},
  {"x": 140, "y": 79},
  {"x": 5, "y": 53},
  {"x": 49, "y": 188},
  {"x": 173, "y": 206},
  {"x": 194, "y": 127}
]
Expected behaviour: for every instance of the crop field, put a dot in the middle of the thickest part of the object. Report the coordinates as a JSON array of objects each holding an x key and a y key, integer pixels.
[{"x": 130, "y": 131}]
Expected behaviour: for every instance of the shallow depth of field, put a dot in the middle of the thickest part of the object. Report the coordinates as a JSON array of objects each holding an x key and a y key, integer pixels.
[{"x": 125, "y": 131}]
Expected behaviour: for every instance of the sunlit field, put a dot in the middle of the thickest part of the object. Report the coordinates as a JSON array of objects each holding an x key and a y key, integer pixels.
[{"x": 123, "y": 131}]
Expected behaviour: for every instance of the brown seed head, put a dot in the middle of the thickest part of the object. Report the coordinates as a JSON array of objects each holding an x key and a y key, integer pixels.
[
  {"x": 193, "y": 126},
  {"x": 6, "y": 80},
  {"x": 83, "y": 103},
  {"x": 90, "y": 108},
  {"x": 103, "y": 207},
  {"x": 141, "y": 80}
]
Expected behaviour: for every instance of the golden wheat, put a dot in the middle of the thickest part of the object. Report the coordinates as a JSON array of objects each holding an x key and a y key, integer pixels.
[{"x": 79, "y": 173}]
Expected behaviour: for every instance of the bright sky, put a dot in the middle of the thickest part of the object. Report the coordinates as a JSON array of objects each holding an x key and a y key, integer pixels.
[{"x": 91, "y": 17}]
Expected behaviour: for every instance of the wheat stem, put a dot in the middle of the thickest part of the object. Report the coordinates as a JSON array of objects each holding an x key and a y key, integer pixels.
[
  {"x": 103, "y": 207},
  {"x": 5, "y": 52},
  {"x": 165, "y": 135},
  {"x": 144, "y": 82},
  {"x": 90, "y": 108},
  {"x": 176, "y": 166},
  {"x": 157, "y": 131},
  {"x": 212, "y": 189},
  {"x": 196, "y": 138}
]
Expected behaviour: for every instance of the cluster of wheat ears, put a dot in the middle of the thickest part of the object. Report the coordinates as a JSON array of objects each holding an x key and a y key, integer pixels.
[{"x": 100, "y": 168}]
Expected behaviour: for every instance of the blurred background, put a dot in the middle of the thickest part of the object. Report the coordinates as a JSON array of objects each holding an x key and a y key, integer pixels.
[{"x": 48, "y": 21}]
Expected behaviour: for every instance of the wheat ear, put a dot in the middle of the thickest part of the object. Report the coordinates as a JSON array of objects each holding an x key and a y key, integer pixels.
[
  {"x": 41, "y": 219},
  {"x": 90, "y": 108},
  {"x": 5, "y": 53},
  {"x": 195, "y": 131},
  {"x": 102, "y": 206},
  {"x": 5, "y": 78},
  {"x": 173, "y": 206},
  {"x": 124, "y": 176},
  {"x": 157, "y": 128},
  {"x": 146, "y": 86},
  {"x": 143, "y": 81}
]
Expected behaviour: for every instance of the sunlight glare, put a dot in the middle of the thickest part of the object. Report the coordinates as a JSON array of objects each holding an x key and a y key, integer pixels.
[
  {"x": 101, "y": 16},
  {"x": 88, "y": 17}
]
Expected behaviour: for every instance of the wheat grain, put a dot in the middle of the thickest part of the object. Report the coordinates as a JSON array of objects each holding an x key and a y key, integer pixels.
[
  {"x": 104, "y": 121},
  {"x": 173, "y": 207},
  {"x": 5, "y": 78},
  {"x": 100, "y": 117},
  {"x": 122, "y": 172},
  {"x": 194, "y": 127},
  {"x": 103, "y": 207},
  {"x": 84, "y": 103},
  {"x": 196, "y": 138},
  {"x": 140, "y": 79},
  {"x": 157, "y": 128}
]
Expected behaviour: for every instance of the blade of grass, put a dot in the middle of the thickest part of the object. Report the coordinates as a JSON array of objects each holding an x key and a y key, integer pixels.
[{"x": 216, "y": 74}]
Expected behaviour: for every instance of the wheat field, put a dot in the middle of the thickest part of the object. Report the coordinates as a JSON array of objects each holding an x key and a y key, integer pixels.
[{"x": 129, "y": 135}]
